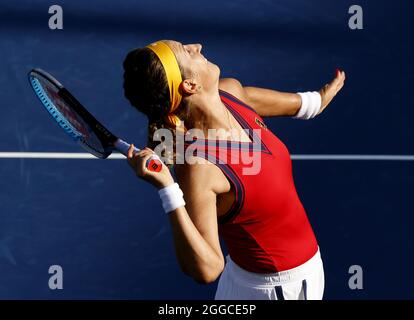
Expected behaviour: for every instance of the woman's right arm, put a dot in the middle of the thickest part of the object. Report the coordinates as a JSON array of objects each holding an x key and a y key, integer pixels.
[{"x": 194, "y": 227}]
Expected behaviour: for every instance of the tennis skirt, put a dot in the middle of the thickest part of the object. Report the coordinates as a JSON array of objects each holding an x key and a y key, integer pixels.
[{"x": 305, "y": 282}]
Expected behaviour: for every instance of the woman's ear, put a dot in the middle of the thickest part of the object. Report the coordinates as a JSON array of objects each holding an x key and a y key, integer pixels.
[{"x": 189, "y": 86}]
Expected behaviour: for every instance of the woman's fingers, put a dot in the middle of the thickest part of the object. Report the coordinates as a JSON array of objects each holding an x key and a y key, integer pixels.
[
  {"x": 330, "y": 90},
  {"x": 138, "y": 163},
  {"x": 138, "y": 160},
  {"x": 134, "y": 157},
  {"x": 130, "y": 151},
  {"x": 341, "y": 81},
  {"x": 337, "y": 83}
]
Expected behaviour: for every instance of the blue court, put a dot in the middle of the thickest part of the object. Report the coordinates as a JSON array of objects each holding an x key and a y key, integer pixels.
[{"x": 107, "y": 229}]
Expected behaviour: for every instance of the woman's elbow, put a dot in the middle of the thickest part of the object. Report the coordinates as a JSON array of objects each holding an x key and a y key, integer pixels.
[
  {"x": 207, "y": 277},
  {"x": 210, "y": 274}
]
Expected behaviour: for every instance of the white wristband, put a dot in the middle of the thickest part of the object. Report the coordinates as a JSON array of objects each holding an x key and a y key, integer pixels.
[
  {"x": 171, "y": 197},
  {"x": 311, "y": 104}
]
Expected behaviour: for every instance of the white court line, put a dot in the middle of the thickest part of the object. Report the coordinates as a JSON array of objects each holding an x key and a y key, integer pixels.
[
  {"x": 54, "y": 155},
  {"x": 371, "y": 157},
  {"x": 117, "y": 156}
]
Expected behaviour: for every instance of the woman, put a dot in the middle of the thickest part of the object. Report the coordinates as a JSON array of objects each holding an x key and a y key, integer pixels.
[{"x": 273, "y": 253}]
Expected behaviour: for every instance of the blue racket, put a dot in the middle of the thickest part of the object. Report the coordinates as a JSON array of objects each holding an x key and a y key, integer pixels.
[{"x": 77, "y": 122}]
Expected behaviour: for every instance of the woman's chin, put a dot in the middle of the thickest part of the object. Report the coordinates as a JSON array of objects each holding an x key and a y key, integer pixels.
[{"x": 215, "y": 67}]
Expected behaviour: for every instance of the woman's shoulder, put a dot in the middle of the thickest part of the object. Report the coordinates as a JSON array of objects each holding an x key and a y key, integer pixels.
[
  {"x": 232, "y": 89},
  {"x": 232, "y": 86}
]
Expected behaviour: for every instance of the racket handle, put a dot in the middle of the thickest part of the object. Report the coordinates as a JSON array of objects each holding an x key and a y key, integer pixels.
[{"x": 153, "y": 164}]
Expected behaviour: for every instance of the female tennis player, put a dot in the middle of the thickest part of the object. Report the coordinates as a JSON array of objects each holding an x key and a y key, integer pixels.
[{"x": 273, "y": 252}]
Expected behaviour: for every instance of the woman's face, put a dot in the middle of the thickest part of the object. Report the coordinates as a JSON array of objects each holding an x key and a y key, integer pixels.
[{"x": 195, "y": 66}]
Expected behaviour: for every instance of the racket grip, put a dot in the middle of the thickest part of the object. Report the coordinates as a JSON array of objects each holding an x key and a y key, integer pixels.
[{"x": 153, "y": 164}]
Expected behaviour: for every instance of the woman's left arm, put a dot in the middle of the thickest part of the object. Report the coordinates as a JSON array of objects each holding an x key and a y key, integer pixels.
[{"x": 271, "y": 103}]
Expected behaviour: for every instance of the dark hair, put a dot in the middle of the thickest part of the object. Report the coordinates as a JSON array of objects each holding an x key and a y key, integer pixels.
[{"x": 146, "y": 88}]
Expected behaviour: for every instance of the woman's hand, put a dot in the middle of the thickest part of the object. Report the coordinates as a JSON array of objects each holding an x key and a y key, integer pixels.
[
  {"x": 329, "y": 91},
  {"x": 138, "y": 160}
]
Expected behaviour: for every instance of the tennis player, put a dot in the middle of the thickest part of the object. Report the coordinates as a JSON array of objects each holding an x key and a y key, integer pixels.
[{"x": 273, "y": 252}]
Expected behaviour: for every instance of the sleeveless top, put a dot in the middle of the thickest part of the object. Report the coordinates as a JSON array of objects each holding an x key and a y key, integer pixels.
[{"x": 266, "y": 230}]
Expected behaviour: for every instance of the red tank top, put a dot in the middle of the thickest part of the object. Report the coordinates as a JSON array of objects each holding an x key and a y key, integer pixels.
[{"x": 266, "y": 230}]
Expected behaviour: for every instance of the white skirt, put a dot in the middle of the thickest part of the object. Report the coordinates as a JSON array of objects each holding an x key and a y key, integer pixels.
[{"x": 305, "y": 282}]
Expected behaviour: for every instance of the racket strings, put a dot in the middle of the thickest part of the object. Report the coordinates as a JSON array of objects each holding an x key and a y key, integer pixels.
[
  {"x": 66, "y": 117},
  {"x": 53, "y": 110}
]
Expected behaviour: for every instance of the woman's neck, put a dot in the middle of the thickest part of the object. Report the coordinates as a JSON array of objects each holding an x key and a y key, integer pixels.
[{"x": 208, "y": 112}]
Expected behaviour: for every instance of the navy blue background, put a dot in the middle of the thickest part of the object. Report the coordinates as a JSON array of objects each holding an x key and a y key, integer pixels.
[{"x": 107, "y": 229}]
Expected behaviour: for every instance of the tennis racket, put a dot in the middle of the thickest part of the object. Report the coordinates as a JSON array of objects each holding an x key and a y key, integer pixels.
[{"x": 77, "y": 122}]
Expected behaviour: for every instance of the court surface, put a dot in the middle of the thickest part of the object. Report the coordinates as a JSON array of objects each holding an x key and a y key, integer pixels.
[{"x": 107, "y": 229}]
